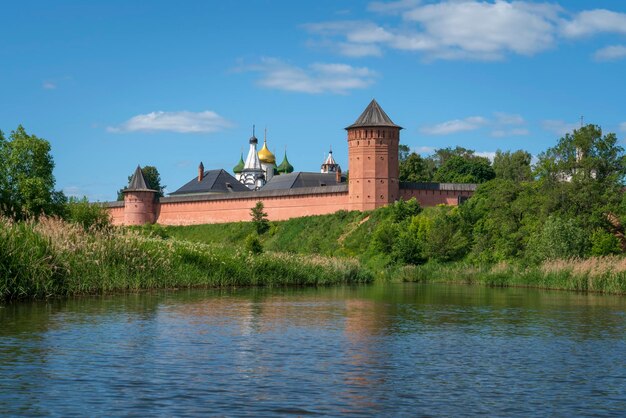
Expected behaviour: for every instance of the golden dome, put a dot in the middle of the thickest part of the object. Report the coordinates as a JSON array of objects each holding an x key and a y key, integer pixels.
[{"x": 266, "y": 156}]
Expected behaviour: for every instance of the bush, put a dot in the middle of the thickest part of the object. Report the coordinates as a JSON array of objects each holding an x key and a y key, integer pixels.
[
  {"x": 604, "y": 243},
  {"x": 253, "y": 244},
  {"x": 89, "y": 215},
  {"x": 558, "y": 239}
]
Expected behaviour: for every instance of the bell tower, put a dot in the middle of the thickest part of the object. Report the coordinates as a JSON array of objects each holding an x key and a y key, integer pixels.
[{"x": 373, "y": 159}]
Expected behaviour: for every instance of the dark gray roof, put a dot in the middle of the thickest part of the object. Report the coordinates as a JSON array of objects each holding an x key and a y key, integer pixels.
[
  {"x": 259, "y": 194},
  {"x": 373, "y": 115},
  {"x": 456, "y": 187},
  {"x": 300, "y": 179},
  {"x": 138, "y": 182},
  {"x": 213, "y": 181}
]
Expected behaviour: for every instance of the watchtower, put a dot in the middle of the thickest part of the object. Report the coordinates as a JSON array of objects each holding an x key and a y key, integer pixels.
[
  {"x": 373, "y": 159},
  {"x": 139, "y": 201}
]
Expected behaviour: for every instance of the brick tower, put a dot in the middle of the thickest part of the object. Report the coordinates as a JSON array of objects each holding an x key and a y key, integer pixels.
[
  {"x": 373, "y": 159},
  {"x": 139, "y": 201}
]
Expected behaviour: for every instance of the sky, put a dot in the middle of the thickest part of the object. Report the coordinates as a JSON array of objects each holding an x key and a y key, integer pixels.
[{"x": 113, "y": 84}]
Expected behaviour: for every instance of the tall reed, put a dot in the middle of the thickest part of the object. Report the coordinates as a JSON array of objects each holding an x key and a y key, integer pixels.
[
  {"x": 52, "y": 257},
  {"x": 597, "y": 274}
]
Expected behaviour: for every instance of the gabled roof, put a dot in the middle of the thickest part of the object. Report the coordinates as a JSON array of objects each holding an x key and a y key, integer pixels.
[
  {"x": 300, "y": 179},
  {"x": 373, "y": 115},
  {"x": 213, "y": 181},
  {"x": 138, "y": 182}
]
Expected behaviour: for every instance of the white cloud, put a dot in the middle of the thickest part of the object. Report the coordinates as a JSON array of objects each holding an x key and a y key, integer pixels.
[
  {"x": 508, "y": 119},
  {"x": 468, "y": 29},
  {"x": 74, "y": 191},
  {"x": 487, "y": 154},
  {"x": 501, "y": 125},
  {"x": 502, "y": 133},
  {"x": 622, "y": 126},
  {"x": 454, "y": 29},
  {"x": 356, "y": 50},
  {"x": 392, "y": 7},
  {"x": 315, "y": 79},
  {"x": 424, "y": 150},
  {"x": 456, "y": 125},
  {"x": 487, "y": 28},
  {"x": 559, "y": 127},
  {"x": 181, "y": 122},
  {"x": 49, "y": 85},
  {"x": 591, "y": 22},
  {"x": 610, "y": 53}
]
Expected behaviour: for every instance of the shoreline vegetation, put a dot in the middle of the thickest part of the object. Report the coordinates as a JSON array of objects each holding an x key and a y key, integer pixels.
[
  {"x": 52, "y": 258},
  {"x": 55, "y": 258}
]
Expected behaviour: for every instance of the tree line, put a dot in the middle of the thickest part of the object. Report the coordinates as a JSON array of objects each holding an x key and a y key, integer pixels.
[{"x": 569, "y": 204}]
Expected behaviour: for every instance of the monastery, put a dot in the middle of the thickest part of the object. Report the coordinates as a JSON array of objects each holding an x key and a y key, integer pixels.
[{"x": 215, "y": 196}]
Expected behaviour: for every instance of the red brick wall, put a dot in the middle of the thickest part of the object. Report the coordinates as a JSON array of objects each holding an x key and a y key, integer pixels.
[
  {"x": 235, "y": 210},
  {"x": 117, "y": 215},
  {"x": 434, "y": 197}
]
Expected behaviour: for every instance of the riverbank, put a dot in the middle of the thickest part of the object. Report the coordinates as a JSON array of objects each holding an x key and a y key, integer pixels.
[
  {"x": 53, "y": 258},
  {"x": 596, "y": 274},
  {"x": 354, "y": 234}
]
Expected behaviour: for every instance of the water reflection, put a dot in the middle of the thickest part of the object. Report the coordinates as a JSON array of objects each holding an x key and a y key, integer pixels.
[{"x": 392, "y": 350}]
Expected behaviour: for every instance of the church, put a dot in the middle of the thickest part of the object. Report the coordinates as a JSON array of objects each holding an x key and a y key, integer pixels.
[{"x": 216, "y": 195}]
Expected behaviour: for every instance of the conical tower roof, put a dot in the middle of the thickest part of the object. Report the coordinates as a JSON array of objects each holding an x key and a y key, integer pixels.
[
  {"x": 373, "y": 116},
  {"x": 138, "y": 182},
  {"x": 240, "y": 165},
  {"x": 285, "y": 167}
]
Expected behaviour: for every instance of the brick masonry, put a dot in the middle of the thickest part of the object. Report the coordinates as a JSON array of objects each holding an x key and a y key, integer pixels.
[{"x": 373, "y": 182}]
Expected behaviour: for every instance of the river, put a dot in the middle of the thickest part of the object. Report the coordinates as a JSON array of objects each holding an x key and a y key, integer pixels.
[{"x": 383, "y": 350}]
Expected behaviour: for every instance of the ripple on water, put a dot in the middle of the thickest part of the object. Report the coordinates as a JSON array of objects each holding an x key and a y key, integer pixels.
[{"x": 371, "y": 350}]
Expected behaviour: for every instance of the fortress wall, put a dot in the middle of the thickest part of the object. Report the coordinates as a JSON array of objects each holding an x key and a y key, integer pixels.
[
  {"x": 278, "y": 208},
  {"x": 434, "y": 197},
  {"x": 117, "y": 214}
]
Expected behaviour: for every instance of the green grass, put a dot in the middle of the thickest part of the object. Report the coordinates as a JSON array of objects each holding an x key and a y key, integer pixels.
[
  {"x": 54, "y": 258},
  {"x": 348, "y": 234},
  {"x": 596, "y": 274}
]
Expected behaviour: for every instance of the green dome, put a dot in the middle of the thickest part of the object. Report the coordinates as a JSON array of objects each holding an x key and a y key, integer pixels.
[
  {"x": 240, "y": 165},
  {"x": 285, "y": 167}
]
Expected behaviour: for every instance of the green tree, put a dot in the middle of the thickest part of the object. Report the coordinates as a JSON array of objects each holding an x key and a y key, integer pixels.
[
  {"x": 585, "y": 155},
  {"x": 416, "y": 169},
  {"x": 442, "y": 155},
  {"x": 583, "y": 176},
  {"x": 259, "y": 218},
  {"x": 559, "y": 239},
  {"x": 403, "y": 152},
  {"x": 512, "y": 165},
  {"x": 153, "y": 181},
  {"x": 458, "y": 169},
  {"x": 26, "y": 178}
]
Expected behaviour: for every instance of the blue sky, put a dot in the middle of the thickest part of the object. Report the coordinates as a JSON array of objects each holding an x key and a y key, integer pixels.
[{"x": 113, "y": 84}]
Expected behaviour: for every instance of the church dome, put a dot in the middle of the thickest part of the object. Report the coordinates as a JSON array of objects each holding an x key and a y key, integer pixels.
[
  {"x": 266, "y": 156},
  {"x": 285, "y": 167},
  {"x": 240, "y": 165}
]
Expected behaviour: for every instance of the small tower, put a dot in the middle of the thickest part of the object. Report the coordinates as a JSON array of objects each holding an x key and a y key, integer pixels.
[
  {"x": 373, "y": 159},
  {"x": 268, "y": 160},
  {"x": 140, "y": 202},
  {"x": 239, "y": 168},
  {"x": 330, "y": 165},
  {"x": 252, "y": 175},
  {"x": 285, "y": 167}
]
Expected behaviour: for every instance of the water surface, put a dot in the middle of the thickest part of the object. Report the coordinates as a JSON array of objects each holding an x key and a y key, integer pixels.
[{"x": 392, "y": 350}]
